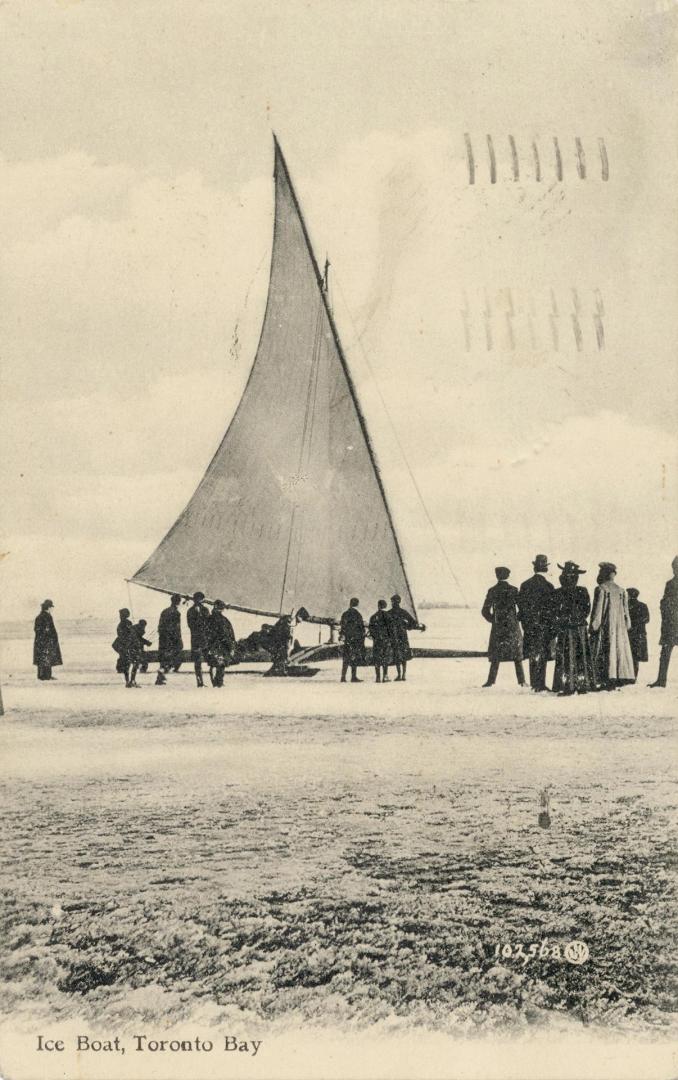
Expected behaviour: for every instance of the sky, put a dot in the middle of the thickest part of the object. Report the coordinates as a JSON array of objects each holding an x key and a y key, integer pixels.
[{"x": 136, "y": 176}]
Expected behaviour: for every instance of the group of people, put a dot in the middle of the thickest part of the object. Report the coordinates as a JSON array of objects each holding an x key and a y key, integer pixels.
[
  {"x": 596, "y": 645},
  {"x": 388, "y": 629},
  {"x": 212, "y": 641}
]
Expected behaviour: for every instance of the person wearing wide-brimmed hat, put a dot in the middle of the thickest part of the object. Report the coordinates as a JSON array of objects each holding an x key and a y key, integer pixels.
[
  {"x": 640, "y": 617},
  {"x": 46, "y": 648},
  {"x": 506, "y": 641},
  {"x": 399, "y": 622},
  {"x": 609, "y": 630},
  {"x": 198, "y": 619},
  {"x": 571, "y": 606},
  {"x": 535, "y": 603},
  {"x": 669, "y": 632},
  {"x": 221, "y": 646}
]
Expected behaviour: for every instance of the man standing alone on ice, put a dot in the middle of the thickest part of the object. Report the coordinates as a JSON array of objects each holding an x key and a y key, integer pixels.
[
  {"x": 669, "y": 633},
  {"x": 501, "y": 609},
  {"x": 46, "y": 651},
  {"x": 170, "y": 642},
  {"x": 198, "y": 619},
  {"x": 535, "y": 602}
]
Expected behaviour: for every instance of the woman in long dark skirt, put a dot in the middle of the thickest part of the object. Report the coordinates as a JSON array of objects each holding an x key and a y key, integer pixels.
[{"x": 571, "y": 606}]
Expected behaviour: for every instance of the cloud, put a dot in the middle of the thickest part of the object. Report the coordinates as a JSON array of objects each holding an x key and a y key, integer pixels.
[{"x": 123, "y": 290}]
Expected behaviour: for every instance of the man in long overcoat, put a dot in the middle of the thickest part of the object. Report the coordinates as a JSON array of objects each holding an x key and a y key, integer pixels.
[
  {"x": 640, "y": 617},
  {"x": 610, "y": 625},
  {"x": 535, "y": 604},
  {"x": 506, "y": 642},
  {"x": 170, "y": 641},
  {"x": 669, "y": 632},
  {"x": 400, "y": 621},
  {"x": 198, "y": 619},
  {"x": 352, "y": 634},
  {"x": 46, "y": 650}
]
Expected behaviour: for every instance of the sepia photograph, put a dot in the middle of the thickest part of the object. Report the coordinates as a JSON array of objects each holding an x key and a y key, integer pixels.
[{"x": 338, "y": 380}]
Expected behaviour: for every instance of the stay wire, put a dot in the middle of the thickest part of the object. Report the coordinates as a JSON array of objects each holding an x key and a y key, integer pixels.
[{"x": 400, "y": 445}]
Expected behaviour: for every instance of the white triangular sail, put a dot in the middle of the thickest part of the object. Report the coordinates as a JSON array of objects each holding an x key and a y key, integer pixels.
[{"x": 291, "y": 510}]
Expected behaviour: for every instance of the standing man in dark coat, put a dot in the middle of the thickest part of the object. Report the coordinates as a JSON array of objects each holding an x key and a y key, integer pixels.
[
  {"x": 399, "y": 622},
  {"x": 640, "y": 617},
  {"x": 379, "y": 631},
  {"x": 170, "y": 641},
  {"x": 535, "y": 603},
  {"x": 669, "y": 633},
  {"x": 46, "y": 651},
  {"x": 198, "y": 619},
  {"x": 506, "y": 642},
  {"x": 221, "y": 648},
  {"x": 352, "y": 633}
]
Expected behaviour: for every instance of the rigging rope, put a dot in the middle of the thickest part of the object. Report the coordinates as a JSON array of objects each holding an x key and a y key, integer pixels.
[
  {"x": 305, "y": 447},
  {"x": 400, "y": 445}
]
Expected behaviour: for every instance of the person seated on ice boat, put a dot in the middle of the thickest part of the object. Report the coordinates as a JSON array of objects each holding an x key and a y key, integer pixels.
[
  {"x": 279, "y": 645},
  {"x": 640, "y": 617},
  {"x": 46, "y": 649},
  {"x": 170, "y": 641},
  {"x": 221, "y": 646},
  {"x": 352, "y": 634},
  {"x": 506, "y": 641},
  {"x": 128, "y": 647},
  {"x": 140, "y": 628},
  {"x": 399, "y": 622},
  {"x": 382, "y": 653},
  {"x": 198, "y": 619}
]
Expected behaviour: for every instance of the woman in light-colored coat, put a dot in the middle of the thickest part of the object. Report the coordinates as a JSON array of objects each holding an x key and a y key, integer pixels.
[{"x": 610, "y": 625}]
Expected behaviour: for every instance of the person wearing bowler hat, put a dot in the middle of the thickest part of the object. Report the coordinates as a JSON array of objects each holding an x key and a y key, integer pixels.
[
  {"x": 640, "y": 617},
  {"x": 506, "y": 641},
  {"x": 46, "y": 649},
  {"x": 399, "y": 622},
  {"x": 198, "y": 619},
  {"x": 170, "y": 641},
  {"x": 221, "y": 647},
  {"x": 571, "y": 606},
  {"x": 609, "y": 631},
  {"x": 535, "y": 603},
  {"x": 669, "y": 632}
]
